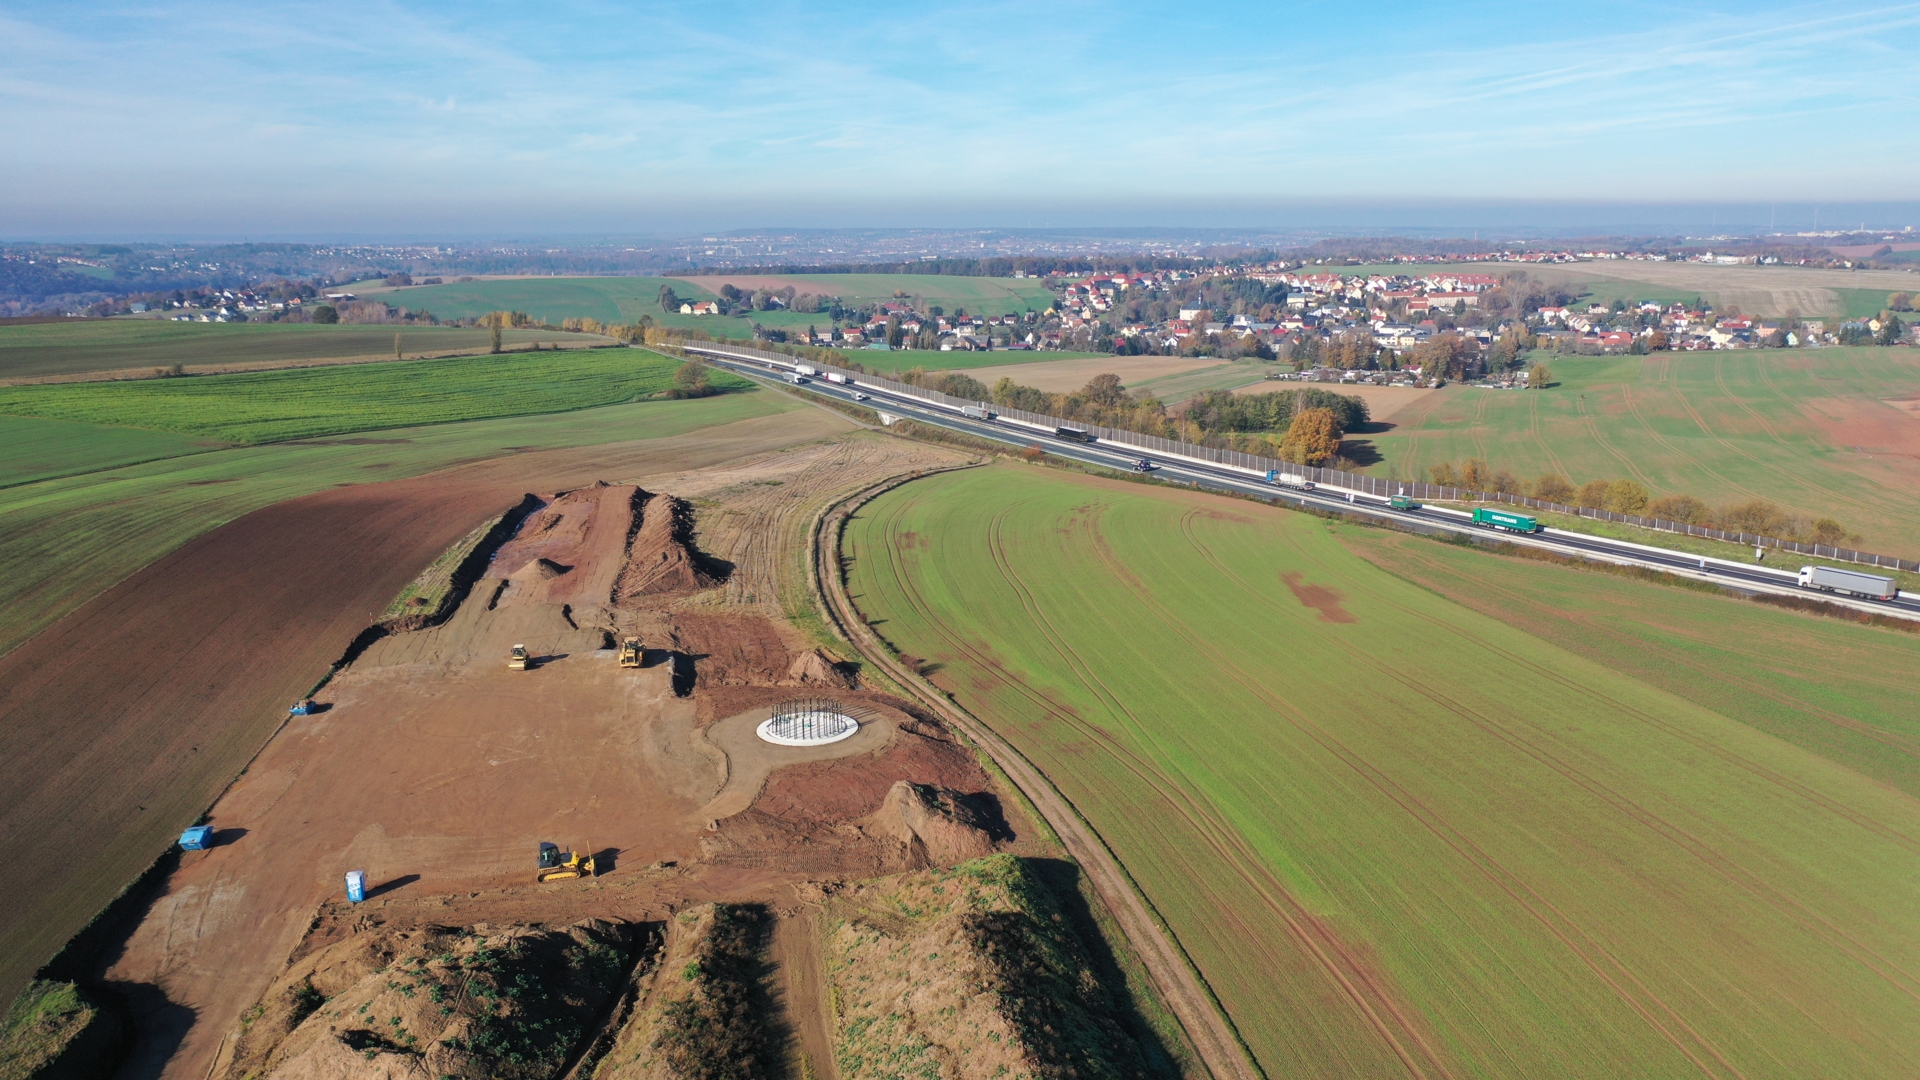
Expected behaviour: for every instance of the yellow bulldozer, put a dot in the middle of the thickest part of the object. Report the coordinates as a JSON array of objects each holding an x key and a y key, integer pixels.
[
  {"x": 556, "y": 864},
  {"x": 517, "y": 660},
  {"x": 630, "y": 652}
]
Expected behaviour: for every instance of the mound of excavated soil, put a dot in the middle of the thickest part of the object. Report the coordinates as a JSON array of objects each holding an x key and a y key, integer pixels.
[
  {"x": 661, "y": 558},
  {"x": 814, "y": 668},
  {"x": 698, "y": 1015},
  {"x": 968, "y": 973},
  {"x": 938, "y": 826},
  {"x": 439, "y": 1002}
]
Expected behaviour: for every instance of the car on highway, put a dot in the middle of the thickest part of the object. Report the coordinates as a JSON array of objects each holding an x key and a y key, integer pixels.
[
  {"x": 1144, "y": 465},
  {"x": 858, "y": 396}
]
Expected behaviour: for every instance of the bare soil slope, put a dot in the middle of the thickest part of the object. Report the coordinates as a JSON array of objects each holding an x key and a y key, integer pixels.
[
  {"x": 436, "y": 770},
  {"x": 122, "y": 722}
]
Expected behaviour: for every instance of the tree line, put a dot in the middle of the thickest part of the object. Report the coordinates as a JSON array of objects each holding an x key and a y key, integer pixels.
[
  {"x": 1304, "y": 426},
  {"x": 1624, "y": 496}
]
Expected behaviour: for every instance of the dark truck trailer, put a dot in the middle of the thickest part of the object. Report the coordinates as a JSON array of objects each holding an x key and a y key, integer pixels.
[{"x": 1073, "y": 434}]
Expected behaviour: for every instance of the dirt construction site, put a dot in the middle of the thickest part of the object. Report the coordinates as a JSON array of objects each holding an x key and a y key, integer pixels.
[{"x": 438, "y": 770}]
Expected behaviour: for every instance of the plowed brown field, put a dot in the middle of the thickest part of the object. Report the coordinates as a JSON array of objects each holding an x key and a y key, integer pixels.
[{"x": 122, "y": 722}]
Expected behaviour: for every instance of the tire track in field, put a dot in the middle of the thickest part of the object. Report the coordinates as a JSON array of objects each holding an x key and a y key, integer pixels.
[
  {"x": 1558, "y": 926},
  {"x": 1478, "y": 432},
  {"x": 1336, "y": 960},
  {"x": 1720, "y": 377},
  {"x": 1225, "y": 842},
  {"x": 1593, "y": 431},
  {"x": 1626, "y": 393},
  {"x": 1540, "y": 438},
  {"x": 1198, "y": 1010},
  {"x": 1788, "y": 474},
  {"x": 1790, "y": 908},
  {"x": 1562, "y": 926}
]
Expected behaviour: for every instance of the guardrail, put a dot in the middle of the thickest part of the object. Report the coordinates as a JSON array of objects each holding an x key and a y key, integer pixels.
[{"x": 1380, "y": 487}]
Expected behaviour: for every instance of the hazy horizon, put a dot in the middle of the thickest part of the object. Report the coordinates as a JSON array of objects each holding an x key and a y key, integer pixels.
[{"x": 451, "y": 121}]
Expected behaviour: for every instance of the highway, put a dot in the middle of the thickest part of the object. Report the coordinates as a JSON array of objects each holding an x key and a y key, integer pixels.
[{"x": 1746, "y": 576}]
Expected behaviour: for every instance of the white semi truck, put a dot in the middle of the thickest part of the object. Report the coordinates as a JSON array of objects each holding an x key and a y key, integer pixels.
[{"x": 1831, "y": 579}]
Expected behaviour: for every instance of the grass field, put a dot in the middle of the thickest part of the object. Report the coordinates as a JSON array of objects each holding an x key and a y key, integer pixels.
[
  {"x": 1812, "y": 430},
  {"x": 1400, "y": 837},
  {"x": 978, "y": 295},
  {"x": 35, "y": 449},
  {"x": 86, "y": 345},
  {"x": 1839, "y": 691},
  {"x": 298, "y": 403},
  {"x": 1232, "y": 375},
  {"x": 625, "y": 299},
  {"x": 551, "y": 299},
  {"x": 68, "y": 539}
]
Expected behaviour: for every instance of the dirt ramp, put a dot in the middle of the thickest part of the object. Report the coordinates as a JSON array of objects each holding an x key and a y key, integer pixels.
[
  {"x": 938, "y": 826},
  {"x": 700, "y": 1013},
  {"x": 439, "y": 1002},
  {"x": 969, "y": 973},
  {"x": 662, "y": 560}
]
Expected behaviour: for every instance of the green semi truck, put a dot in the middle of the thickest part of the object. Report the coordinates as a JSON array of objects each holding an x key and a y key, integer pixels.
[{"x": 1500, "y": 519}]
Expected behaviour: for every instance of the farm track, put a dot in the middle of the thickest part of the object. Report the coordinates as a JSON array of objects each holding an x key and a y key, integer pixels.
[{"x": 1172, "y": 971}]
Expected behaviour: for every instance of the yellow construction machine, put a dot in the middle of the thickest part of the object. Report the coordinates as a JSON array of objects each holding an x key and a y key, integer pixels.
[
  {"x": 558, "y": 865},
  {"x": 630, "y": 652},
  {"x": 518, "y": 659}
]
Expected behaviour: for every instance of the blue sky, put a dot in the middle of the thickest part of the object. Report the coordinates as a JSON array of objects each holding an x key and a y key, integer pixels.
[{"x": 482, "y": 118}]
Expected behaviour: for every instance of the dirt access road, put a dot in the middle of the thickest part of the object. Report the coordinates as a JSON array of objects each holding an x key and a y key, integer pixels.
[
  {"x": 122, "y": 722},
  {"x": 1208, "y": 1028}
]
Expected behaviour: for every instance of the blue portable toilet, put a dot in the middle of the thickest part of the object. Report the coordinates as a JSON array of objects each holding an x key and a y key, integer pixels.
[
  {"x": 198, "y": 838},
  {"x": 356, "y": 885}
]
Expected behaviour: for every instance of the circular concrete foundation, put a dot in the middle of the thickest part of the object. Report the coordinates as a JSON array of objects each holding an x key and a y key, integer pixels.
[{"x": 807, "y": 727}]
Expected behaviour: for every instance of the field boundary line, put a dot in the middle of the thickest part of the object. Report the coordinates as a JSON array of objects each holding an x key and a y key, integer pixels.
[{"x": 1185, "y": 991}]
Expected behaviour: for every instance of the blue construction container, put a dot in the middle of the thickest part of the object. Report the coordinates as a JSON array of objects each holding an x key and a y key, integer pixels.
[
  {"x": 198, "y": 838},
  {"x": 356, "y": 885}
]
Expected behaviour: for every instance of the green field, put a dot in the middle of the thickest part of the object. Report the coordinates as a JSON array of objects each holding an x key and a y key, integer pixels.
[
  {"x": 298, "y": 403},
  {"x": 552, "y": 299},
  {"x": 70, "y": 538},
  {"x": 1837, "y": 690},
  {"x": 625, "y": 299},
  {"x": 85, "y": 345},
  {"x": 1811, "y": 430},
  {"x": 34, "y": 449},
  {"x": 1401, "y": 837}
]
